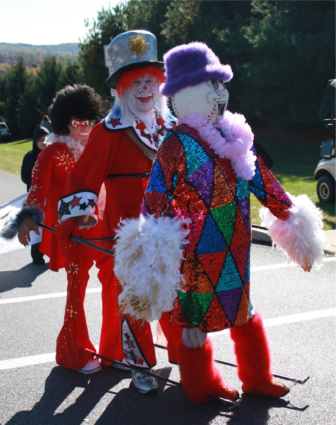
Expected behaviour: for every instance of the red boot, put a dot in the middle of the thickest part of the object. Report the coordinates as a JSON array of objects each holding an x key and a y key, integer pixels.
[
  {"x": 254, "y": 359},
  {"x": 199, "y": 375}
]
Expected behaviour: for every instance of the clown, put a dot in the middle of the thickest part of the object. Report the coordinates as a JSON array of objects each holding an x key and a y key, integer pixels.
[
  {"x": 119, "y": 154},
  {"x": 198, "y": 196},
  {"x": 73, "y": 113}
]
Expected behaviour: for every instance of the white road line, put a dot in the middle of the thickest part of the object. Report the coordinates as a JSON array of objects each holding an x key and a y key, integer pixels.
[
  {"x": 43, "y": 296},
  {"x": 28, "y": 361},
  {"x": 293, "y": 318},
  {"x": 301, "y": 317},
  {"x": 282, "y": 265},
  {"x": 94, "y": 290},
  {"x": 50, "y": 357}
]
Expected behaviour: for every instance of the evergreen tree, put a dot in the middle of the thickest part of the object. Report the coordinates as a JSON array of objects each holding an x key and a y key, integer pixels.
[
  {"x": 14, "y": 85},
  {"x": 108, "y": 25},
  {"x": 293, "y": 57},
  {"x": 28, "y": 115},
  {"x": 70, "y": 75},
  {"x": 47, "y": 84}
]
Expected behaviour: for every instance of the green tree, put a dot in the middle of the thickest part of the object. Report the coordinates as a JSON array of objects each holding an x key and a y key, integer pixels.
[
  {"x": 293, "y": 57},
  {"x": 47, "y": 82},
  {"x": 71, "y": 74},
  {"x": 14, "y": 85},
  {"x": 108, "y": 25},
  {"x": 28, "y": 115}
]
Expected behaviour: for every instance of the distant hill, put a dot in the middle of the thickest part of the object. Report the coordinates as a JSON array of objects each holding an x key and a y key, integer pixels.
[
  {"x": 57, "y": 49},
  {"x": 34, "y": 55}
]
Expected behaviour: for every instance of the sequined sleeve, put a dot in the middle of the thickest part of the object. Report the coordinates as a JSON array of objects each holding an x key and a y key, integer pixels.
[
  {"x": 164, "y": 177},
  {"x": 268, "y": 191},
  {"x": 41, "y": 176}
]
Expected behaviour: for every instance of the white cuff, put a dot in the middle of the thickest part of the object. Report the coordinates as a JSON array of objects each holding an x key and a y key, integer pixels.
[
  {"x": 79, "y": 204},
  {"x": 301, "y": 236}
]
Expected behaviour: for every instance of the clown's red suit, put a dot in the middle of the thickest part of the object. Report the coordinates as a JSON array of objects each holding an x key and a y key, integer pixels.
[
  {"x": 51, "y": 171},
  {"x": 113, "y": 158},
  {"x": 73, "y": 113},
  {"x": 119, "y": 153}
]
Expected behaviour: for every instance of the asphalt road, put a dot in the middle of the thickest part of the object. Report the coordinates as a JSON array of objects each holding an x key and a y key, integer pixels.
[{"x": 299, "y": 312}]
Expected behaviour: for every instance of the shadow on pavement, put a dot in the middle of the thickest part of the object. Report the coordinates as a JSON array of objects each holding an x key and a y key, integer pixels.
[
  {"x": 60, "y": 384},
  {"x": 170, "y": 406},
  {"x": 253, "y": 410},
  {"x": 22, "y": 278}
]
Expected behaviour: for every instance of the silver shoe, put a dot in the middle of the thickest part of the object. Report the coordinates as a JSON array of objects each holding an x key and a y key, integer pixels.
[{"x": 144, "y": 383}]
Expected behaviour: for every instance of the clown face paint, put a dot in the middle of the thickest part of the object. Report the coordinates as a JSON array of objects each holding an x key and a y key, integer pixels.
[
  {"x": 142, "y": 95},
  {"x": 209, "y": 99}
]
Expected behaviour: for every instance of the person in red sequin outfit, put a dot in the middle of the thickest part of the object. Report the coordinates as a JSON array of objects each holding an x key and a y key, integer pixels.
[{"x": 72, "y": 112}]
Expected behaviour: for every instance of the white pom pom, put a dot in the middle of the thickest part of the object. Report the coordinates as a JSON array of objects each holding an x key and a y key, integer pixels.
[
  {"x": 301, "y": 236},
  {"x": 148, "y": 255}
]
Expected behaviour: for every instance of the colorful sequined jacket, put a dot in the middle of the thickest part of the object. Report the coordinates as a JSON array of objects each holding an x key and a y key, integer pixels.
[{"x": 189, "y": 180}]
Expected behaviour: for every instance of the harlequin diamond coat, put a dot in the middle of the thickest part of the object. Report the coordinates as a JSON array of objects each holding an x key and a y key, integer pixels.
[{"x": 189, "y": 180}]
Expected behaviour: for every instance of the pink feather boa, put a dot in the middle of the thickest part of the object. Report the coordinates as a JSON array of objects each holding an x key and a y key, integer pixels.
[{"x": 235, "y": 145}]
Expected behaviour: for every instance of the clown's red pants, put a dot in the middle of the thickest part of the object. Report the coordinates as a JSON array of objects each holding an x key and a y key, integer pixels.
[{"x": 74, "y": 338}]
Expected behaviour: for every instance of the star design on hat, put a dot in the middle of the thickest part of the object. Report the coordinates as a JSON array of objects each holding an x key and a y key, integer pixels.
[
  {"x": 114, "y": 122},
  {"x": 91, "y": 202},
  {"x": 138, "y": 45}
]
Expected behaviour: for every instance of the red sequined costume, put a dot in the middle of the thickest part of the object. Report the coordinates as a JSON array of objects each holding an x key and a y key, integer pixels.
[
  {"x": 50, "y": 173},
  {"x": 112, "y": 156}
]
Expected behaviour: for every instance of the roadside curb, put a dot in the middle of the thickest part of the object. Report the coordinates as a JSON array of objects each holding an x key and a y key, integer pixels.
[{"x": 260, "y": 236}]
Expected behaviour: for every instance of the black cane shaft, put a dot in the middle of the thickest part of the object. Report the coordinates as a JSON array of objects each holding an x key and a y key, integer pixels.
[
  {"x": 137, "y": 368},
  {"x": 297, "y": 381},
  {"x": 82, "y": 241}
]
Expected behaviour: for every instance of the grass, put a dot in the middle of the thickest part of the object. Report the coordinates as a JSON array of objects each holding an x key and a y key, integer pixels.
[
  {"x": 12, "y": 153},
  {"x": 295, "y": 160}
]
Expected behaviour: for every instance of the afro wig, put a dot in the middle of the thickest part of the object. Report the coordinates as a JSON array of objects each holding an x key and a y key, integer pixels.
[{"x": 78, "y": 101}]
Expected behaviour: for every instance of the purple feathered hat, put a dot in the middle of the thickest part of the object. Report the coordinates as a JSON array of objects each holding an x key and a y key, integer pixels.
[{"x": 191, "y": 64}]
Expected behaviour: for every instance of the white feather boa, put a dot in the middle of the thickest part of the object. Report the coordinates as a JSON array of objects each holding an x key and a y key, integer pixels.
[
  {"x": 75, "y": 146},
  {"x": 301, "y": 236},
  {"x": 148, "y": 255}
]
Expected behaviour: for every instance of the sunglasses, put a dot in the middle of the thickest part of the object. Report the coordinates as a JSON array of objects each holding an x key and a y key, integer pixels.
[{"x": 80, "y": 123}]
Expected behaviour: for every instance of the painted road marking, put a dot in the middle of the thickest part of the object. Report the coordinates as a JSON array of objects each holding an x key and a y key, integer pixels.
[
  {"x": 50, "y": 357},
  {"x": 282, "y": 265},
  {"x": 28, "y": 361},
  {"x": 43, "y": 296},
  {"x": 293, "y": 318},
  {"x": 95, "y": 290}
]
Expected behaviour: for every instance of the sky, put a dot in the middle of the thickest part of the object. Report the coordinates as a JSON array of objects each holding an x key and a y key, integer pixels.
[{"x": 48, "y": 22}]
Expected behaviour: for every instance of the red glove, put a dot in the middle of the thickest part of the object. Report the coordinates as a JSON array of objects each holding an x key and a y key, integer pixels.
[
  {"x": 66, "y": 229},
  {"x": 63, "y": 232}
]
